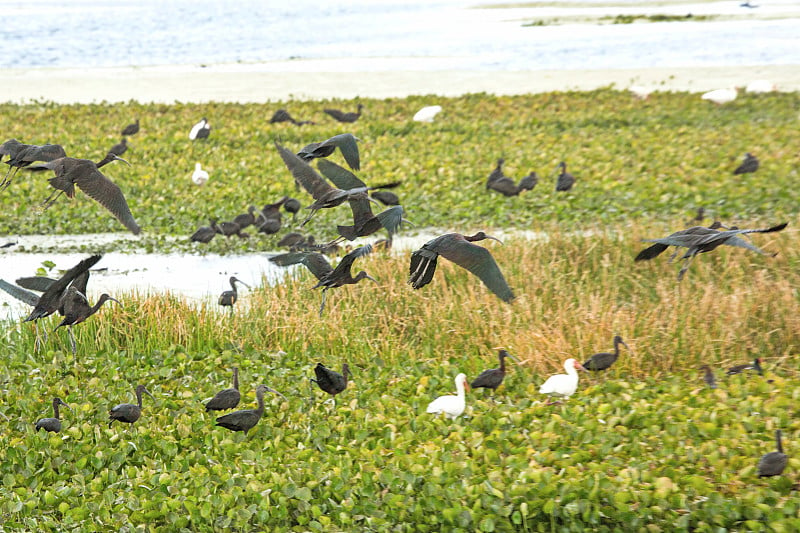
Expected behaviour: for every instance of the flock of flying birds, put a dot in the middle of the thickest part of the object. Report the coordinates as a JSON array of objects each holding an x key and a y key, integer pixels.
[{"x": 331, "y": 186}]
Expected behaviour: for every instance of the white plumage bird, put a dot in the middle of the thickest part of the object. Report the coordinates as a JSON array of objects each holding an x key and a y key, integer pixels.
[
  {"x": 760, "y": 86},
  {"x": 426, "y": 114},
  {"x": 199, "y": 176},
  {"x": 200, "y": 130},
  {"x": 563, "y": 385},
  {"x": 451, "y": 406},
  {"x": 721, "y": 96},
  {"x": 639, "y": 91}
]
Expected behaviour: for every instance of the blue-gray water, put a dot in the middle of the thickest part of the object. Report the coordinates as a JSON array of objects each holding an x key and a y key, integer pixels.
[{"x": 91, "y": 33}]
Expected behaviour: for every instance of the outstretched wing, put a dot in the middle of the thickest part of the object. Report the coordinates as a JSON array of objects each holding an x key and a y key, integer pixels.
[
  {"x": 20, "y": 294},
  {"x": 348, "y": 145},
  {"x": 304, "y": 174},
  {"x": 314, "y": 261},
  {"x": 480, "y": 262},
  {"x": 340, "y": 176},
  {"x": 104, "y": 191}
]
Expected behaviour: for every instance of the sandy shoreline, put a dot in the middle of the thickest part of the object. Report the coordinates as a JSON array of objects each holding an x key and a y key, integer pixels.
[{"x": 322, "y": 79}]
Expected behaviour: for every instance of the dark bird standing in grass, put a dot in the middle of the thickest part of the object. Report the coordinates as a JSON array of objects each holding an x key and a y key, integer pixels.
[
  {"x": 749, "y": 164},
  {"x": 499, "y": 182},
  {"x": 245, "y": 419},
  {"x": 228, "y": 298},
  {"x": 131, "y": 129},
  {"x": 346, "y": 142},
  {"x": 204, "y": 234},
  {"x": 493, "y": 378},
  {"x": 773, "y": 463},
  {"x": 325, "y": 195},
  {"x": 52, "y": 424},
  {"x": 77, "y": 309},
  {"x": 281, "y": 115},
  {"x": 120, "y": 148},
  {"x": 270, "y": 219},
  {"x": 23, "y": 155},
  {"x": 345, "y": 117},
  {"x": 226, "y": 398},
  {"x": 328, "y": 276},
  {"x": 247, "y": 219},
  {"x": 128, "y": 412},
  {"x": 229, "y": 229},
  {"x": 329, "y": 380},
  {"x": 460, "y": 250},
  {"x": 738, "y": 369},
  {"x": 603, "y": 360},
  {"x": 71, "y": 171},
  {"x": 565, "y": 179},
  {"x": 708, "y": 376},
  {"x": 699, "y": 240},
  {"x": 292, "y": 205}
]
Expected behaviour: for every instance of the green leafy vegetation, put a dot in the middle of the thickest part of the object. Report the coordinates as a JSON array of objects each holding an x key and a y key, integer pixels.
[{"x": 644, "y": 447}]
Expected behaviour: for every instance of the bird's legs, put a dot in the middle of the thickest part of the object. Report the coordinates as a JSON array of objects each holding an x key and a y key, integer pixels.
[
  {"x": 72, "y": 341},
  {"x": 7, "y": 179},
  {"x": 685, "y": 267},
  {"x": 322, "y": 305},
  {"x": 38, "y": 342},
  {"x": 51, "y": 199}
]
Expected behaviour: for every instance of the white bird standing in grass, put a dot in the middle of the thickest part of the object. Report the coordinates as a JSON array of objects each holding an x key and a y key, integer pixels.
[
  {"x": 452, "y": 406},
  {"x": 563, "y": 385},
  {"x": 199, "y": 176},
  {"x": 760, "y": 86},
  {"x": 426, "y": 114},
  {"x": 721, "y": 96}
]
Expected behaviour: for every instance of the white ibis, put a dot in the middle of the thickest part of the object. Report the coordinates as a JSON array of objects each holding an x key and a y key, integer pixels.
[
  {"x": 563, "y": 385},
  {"x": 427, "y": 113},
  {"x": 639, "y": 92},
  {"x": 721, "y": 96},
  {"x": 760, "y": 86},
  {"x": 201, "y": 130},
  {"x": 451, "y": 406},
  {"x": 460, "y": 250},
  {"x": 773, "y": 463},
  {"x": 199, "y": 176}
]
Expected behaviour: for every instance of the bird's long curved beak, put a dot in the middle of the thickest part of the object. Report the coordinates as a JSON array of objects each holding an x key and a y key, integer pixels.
[
  {"x": 406, "y": 221},
  {"x": 61, "y": 402},
  {"x": 494, "y": 239},
  {"x": 118, "y": 158},
  {"x": 514, "y": 357},
  {"x": 114, "y": 300},
  {"x": 148, "y": 393},
  {"x": 273, "y": 391},
  {"x": 370, "y": 278}
]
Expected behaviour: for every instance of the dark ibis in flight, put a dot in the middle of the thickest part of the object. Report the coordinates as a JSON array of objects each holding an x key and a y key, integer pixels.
[
  {"x": 703, "y": 240},
  {"x": 77, "y": 310},
  {"x": 226, "y": 398},
  {"x": 129, "y": 412},
  {"x": 460, "y": 250},
  {"x": 328, "y": 276},
  {"x": 386, "y": 197},
  {"x": 23, "y": 155},
  {"x": 773, "y": 463},
  {"x": 347, "y": 117},
  {"x": 245, "y": 419},
  {"x": 604, "y": 360},
  {"x": 346, "y": 142},
  {"x": 52, "y": 424}
]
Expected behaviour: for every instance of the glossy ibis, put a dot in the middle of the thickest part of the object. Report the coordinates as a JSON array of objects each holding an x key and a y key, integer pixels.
[
  {"x": 24, "y": 155},
  {"x": 346, "y": 142},
  {"x": 348, "y": 117},
  {"x": 204, "y": 234},
  {"x": 364, "y": 221},
  {"x": 773, "y": 463},
  {"x": 325, "y": 195},
  {"x": 270, "y": 220},
  {"x": 563, "y": 385},
  {"x": 460, "y": 250},
  {"x": 700, "y": 240},
  {"x": 749, "y": 164},
  {"x": 386, "y": 197},
  {"x": 492, "y": 378},
  {"x": 281, "y": 115},
  {"x": 120, "y": 148},
  {"x": 738, "y": 369},
  {"x": 603, "y": 360},
  {"x": 229, "y": 229},
  {"x": 247, "y": 219},
  {"x": 71, "y": 171},
  {"x": 708, "y": 376},
  {"x": 427, "y": 113},
  {"x": 565, "y": 179},
  {"x": 128, "y": 412},
  {"x": 226, "y": 398},
  {"x": 451, "y": 406},
  {"x": 131, "y": 129},
  {"x": 77, "y": 309},
  {"x": 201, "y": 130},
  {"x": 199, "y": 176},
  {"x": 292, "y": 240},
  {"x": 498, "y": 181},
  {"x": 329, "y": 380},
  {"x": 245, "y": 419},
  {"x": 328, "y": 276},
  {"x": 52, "y": 424},
  {"x": 292, "y": 205},
  {"x": 228, "y": 298}
]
